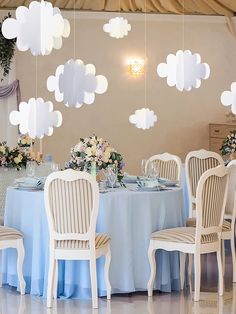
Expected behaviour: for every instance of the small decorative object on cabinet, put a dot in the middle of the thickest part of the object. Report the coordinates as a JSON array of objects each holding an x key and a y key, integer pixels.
[{"x": 218, "y": 132}]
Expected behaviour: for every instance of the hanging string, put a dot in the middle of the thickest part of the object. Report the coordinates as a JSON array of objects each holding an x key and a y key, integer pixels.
[
  {"x": 183, "y": 24},
  {"x": 36, "y": 77},
  {"x": 74, "y": 29},
  {"x": 145, "y": 54}
]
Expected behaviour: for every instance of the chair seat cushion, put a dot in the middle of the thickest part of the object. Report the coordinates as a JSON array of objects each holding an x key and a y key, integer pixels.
[
  {"x": 7, "y": 233},
  {"x": 182, "y": 235},
  {"x": 100, "y": 240},
  {"x": 191, "y": 222}
]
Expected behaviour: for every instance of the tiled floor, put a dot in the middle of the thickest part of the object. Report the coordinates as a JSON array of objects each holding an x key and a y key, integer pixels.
[{"x": 167, "y": 303}]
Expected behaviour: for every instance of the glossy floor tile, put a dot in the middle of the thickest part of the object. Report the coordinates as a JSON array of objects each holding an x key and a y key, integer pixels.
[{"x": 138, "y": 303}]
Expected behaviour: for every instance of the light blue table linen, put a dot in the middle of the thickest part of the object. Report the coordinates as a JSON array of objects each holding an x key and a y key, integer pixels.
[{"x": 128, "y": 217}]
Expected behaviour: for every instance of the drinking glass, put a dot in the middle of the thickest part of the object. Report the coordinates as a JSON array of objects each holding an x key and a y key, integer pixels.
[
  {"x": 30, "y": 168},
  {"x": 153, "y": 171},
  {"x": 55, "y": 167},
  {"x": 143, "y": 167},
  {"x": 111, "y": 175}
]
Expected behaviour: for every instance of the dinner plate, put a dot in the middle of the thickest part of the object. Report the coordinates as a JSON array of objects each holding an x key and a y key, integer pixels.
[
  {"x": 28, "y": 187},
  {"x": 149, "y": 188}
]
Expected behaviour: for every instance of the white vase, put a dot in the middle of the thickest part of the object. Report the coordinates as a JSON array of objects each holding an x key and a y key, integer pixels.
[{"x": 7, "y": 177}]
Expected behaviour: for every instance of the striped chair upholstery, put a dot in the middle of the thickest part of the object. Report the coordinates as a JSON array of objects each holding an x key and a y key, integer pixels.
[
  {"x": 7, "y": 233},
  {"x": 71, "y": 204},
  {"x": 169, "y": 166},
  {"x": 197, "y": 167},
  {"x": 167, "y": 169}
]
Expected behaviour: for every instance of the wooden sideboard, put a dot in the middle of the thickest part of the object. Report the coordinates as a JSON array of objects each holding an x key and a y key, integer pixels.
[{"x": 217, "y": 133}]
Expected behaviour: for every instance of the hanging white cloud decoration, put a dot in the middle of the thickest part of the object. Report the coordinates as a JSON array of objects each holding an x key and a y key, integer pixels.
[
  {"x": 228, "y": 98},
  {"x": 143, "y": 118},
  {"x": 184, "y": 70},
  {"x": 36, "y": 117},
  {"x": 75, "y": 83},
  {"x": 39, "y": 28},
  {"x": 117, "y": 27}
]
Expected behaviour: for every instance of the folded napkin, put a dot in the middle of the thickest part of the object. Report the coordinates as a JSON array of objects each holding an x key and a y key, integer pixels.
[
  {"x": 30, "y": 182},
  {"x": 129, "y": 177}
]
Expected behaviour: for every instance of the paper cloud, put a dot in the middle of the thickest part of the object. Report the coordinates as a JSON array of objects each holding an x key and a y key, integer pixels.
[
  {"x": 117, "y": 27},
  {"x": 39, "y": 28},
  {"x": 75, "y": 83},
  {"x": 184, "y": 70},
  {"x": 143, "y": 118},
  {"x": 36, "y": 118},
  {"x": 228, "y": 98}
]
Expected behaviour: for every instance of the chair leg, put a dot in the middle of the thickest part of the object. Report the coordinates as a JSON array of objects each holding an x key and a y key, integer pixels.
[
  {"x": 106, "y": 272},
  {"x": 220, "y": 273},
  {"x": 51, "y": 273},
  {"x": 233, "y": 256},
  {"x": 55, "y": 280},
  {"x": 197, "y": 276},
  {"x": 182, "y": 259},
  {"x": 152, "y": 262},
  {"x": 20, "y": 259},
  {"x": 93, "y": 275},
  {"x": 223, "y": 255},
  {"x": 190, "y": 266}
]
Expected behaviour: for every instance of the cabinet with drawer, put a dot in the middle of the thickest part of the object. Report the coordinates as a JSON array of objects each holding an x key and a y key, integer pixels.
[{"x": 217, "y": 133}]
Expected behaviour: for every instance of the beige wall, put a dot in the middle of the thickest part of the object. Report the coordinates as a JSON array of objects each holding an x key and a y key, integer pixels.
[{"x": 183, "y": 118}]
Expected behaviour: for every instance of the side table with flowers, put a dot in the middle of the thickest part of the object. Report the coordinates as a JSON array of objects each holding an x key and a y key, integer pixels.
[
  {"x": 229, "y": 146},
  {"x": 94, "y": 154},
  {"x": 12, "y": 165}
]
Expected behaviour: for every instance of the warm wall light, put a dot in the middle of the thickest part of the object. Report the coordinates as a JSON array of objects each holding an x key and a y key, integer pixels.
[{"x": 136, "y": 67}]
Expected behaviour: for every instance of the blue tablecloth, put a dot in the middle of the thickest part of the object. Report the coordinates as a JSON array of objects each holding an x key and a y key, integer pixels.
[{"x": 128, "y": 217}]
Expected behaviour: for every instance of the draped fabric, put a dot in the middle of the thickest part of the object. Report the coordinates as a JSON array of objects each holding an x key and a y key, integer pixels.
[
  {"x": 215, "y": 7},
  {"x": 10, "y": 89},
  {"x": 205, "y": 7}
]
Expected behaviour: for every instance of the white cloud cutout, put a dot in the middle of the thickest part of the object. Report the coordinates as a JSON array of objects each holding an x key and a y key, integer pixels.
[
  {"x": 39, "y": 28},
  {"x": 228, "y": 98},
  {"x": 143, "y": 118},
  {"x": 117, "y": 27},
  {"x": 75, "y": 83},
  {"x": 184, "y": 70},
  {"x": 36, "y": 117}
]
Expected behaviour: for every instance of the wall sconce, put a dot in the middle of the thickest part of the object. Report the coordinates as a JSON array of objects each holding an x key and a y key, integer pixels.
[{"x": 136, "y": 67}]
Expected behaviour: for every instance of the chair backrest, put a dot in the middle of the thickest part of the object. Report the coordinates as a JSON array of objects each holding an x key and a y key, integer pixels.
[
  {"x": 196, "y": 163},
  {"x": 230, "y": 209},
  {"x": 211, "y": 199},
  {"x": 71, "y": 202},
  {"x": 169, "y": 165}
]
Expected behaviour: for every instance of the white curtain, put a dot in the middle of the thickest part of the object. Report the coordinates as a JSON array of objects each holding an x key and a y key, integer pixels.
[{"x": 8, "y": 132}]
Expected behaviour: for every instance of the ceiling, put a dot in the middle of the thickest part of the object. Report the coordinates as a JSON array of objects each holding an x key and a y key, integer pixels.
[{"x": 206, "y": 7}]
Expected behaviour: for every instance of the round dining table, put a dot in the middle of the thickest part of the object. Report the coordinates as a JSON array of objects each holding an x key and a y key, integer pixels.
[{"x": 128, "y": 215}]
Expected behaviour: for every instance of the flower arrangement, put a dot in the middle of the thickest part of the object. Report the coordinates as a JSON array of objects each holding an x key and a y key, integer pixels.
[
  {"x": 96, "y": 150},
  {"x": 229, "y": 144},
  {"x": 25, "y": 141},
  {"x": 12, "y": 158}
]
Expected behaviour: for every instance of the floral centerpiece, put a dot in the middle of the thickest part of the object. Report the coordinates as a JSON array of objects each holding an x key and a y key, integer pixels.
[
  {"x": 229, "y": 144},
  {"x": 12, "y": 158},
  {"x": 95, "y": 150},
  {"x": 25, "y": 141}
]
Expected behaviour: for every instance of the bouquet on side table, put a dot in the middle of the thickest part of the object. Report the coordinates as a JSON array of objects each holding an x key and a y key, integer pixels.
[
  {"x": 94, "y": 150},
  {"x": 229, "y": 145},
  {"x": 12, "y": 158}
]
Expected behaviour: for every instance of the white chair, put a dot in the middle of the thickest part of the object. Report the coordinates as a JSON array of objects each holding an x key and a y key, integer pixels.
[
  {"x": 230, "y": 214},
  {"x": 169, "y": 165},
  {"x": 196, "y": 163},
  {"x": 206, "y": 237},
  {"x": 71, "y": 203},
  {"x": 12, "y": 238}
]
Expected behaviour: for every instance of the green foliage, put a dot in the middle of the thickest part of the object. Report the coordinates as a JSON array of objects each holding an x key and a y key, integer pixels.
[{"x": 7, "y": 49}]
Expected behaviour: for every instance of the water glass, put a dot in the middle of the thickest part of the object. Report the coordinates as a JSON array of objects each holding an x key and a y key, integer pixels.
[
  {"x": 111, "y": 175},
  {"x": 143, "y": 167},
  {"x": 55, "y": 167},
  {"x": 30, "y": 168}
]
